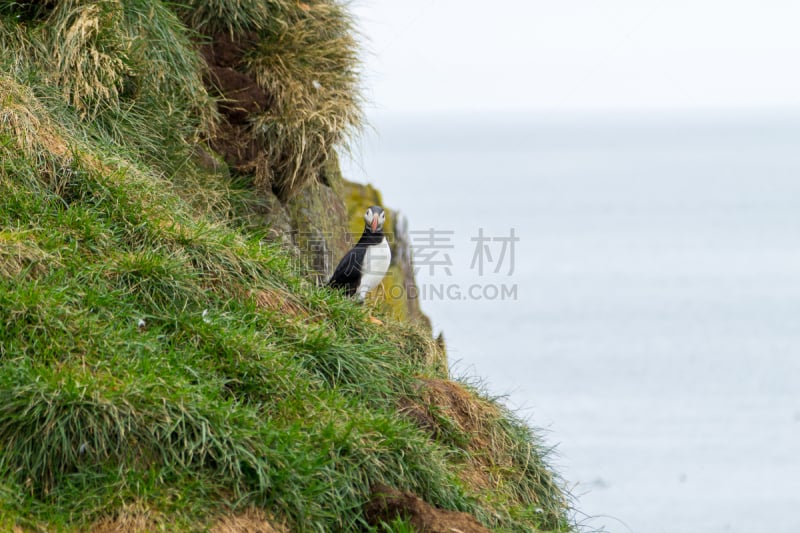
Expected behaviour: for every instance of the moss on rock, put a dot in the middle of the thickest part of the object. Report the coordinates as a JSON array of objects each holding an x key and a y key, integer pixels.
[
  {"x": 318, "y": 219},
  {"x": 398, "y": 290}
]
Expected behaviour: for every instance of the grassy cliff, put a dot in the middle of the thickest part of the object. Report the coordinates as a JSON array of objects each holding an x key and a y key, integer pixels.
[{"x": 166, "y": 362}]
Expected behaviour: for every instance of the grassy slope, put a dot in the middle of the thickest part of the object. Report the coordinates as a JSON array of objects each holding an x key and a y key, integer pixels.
[{"x": 157, "y": 355}]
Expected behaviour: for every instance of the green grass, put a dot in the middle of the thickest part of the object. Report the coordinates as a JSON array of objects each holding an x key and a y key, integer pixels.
[
  {"x": 156, "y": 354},
  {"x": 398, "y": 525},
  {"x": 134, "y": 68}
]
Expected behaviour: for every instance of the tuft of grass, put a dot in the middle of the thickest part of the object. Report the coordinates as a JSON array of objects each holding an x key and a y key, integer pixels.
[
  {"x": 90, "y": 61},
  {"x": 19, "y": 257},
  {"x": 503, "y": 459},
  {"x": 310, "y": 69},
  {"x": 305, "y": 56},
  {"x": 127, "y": 67},
  {"x": 398, "y": 525}
]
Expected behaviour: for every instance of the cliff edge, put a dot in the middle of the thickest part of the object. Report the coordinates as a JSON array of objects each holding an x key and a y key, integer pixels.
[{"x": 170, "y": 201}]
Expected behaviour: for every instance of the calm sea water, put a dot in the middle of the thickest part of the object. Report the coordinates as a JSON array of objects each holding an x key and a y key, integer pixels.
[{"x": 655, "y": 332}]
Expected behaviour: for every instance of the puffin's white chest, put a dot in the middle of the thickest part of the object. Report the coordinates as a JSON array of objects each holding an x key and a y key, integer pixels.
[{"x": 374, "y": 268}]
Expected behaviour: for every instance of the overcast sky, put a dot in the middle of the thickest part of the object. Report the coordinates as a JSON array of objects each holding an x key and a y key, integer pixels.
[{"x": 566, "y": 55}]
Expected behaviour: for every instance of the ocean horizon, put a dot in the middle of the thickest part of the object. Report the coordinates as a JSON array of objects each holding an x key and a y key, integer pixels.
[{"x": 631, "y": 284}]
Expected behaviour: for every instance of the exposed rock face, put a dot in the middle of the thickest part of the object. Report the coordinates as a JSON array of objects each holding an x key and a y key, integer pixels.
[
  {"x": 241, "y": 95},
  {"x": 388, "y": 503},
  {"x": 241, "y": 98},
  {"x": 319, "y": 223},
  {"x": 278, "y": 221}
]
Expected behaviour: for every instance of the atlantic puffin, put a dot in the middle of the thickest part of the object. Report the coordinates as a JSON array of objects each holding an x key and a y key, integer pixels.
[{"x": 364, "y": 266}]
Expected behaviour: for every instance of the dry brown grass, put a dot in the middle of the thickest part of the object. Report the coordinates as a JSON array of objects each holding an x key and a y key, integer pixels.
[
  {"x": 447, "y": 401},
  {"x": 138, "y": 518},
  {"x": 18, "y": 254},
  {"x": 310, "y": 69},
  {"x": 250, "y": 520},
  {"x": 26, "y": 121},
  {"x": 279, "y": 300},
  {"x": 499, "y": 460},
  {"x": 90, "y": 61},
  {"x": 134, "y": 518}
]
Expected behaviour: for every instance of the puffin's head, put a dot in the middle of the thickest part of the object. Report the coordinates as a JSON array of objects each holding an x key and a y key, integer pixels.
[{"x": 374, "y": 218}]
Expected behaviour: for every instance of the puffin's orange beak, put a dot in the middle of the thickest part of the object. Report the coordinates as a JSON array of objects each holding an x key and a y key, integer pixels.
[{"x": 374, "y": 223}]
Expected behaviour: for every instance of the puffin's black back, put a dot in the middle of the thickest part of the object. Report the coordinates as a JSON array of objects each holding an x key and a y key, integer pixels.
[{"x": 347, "y": 275}]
